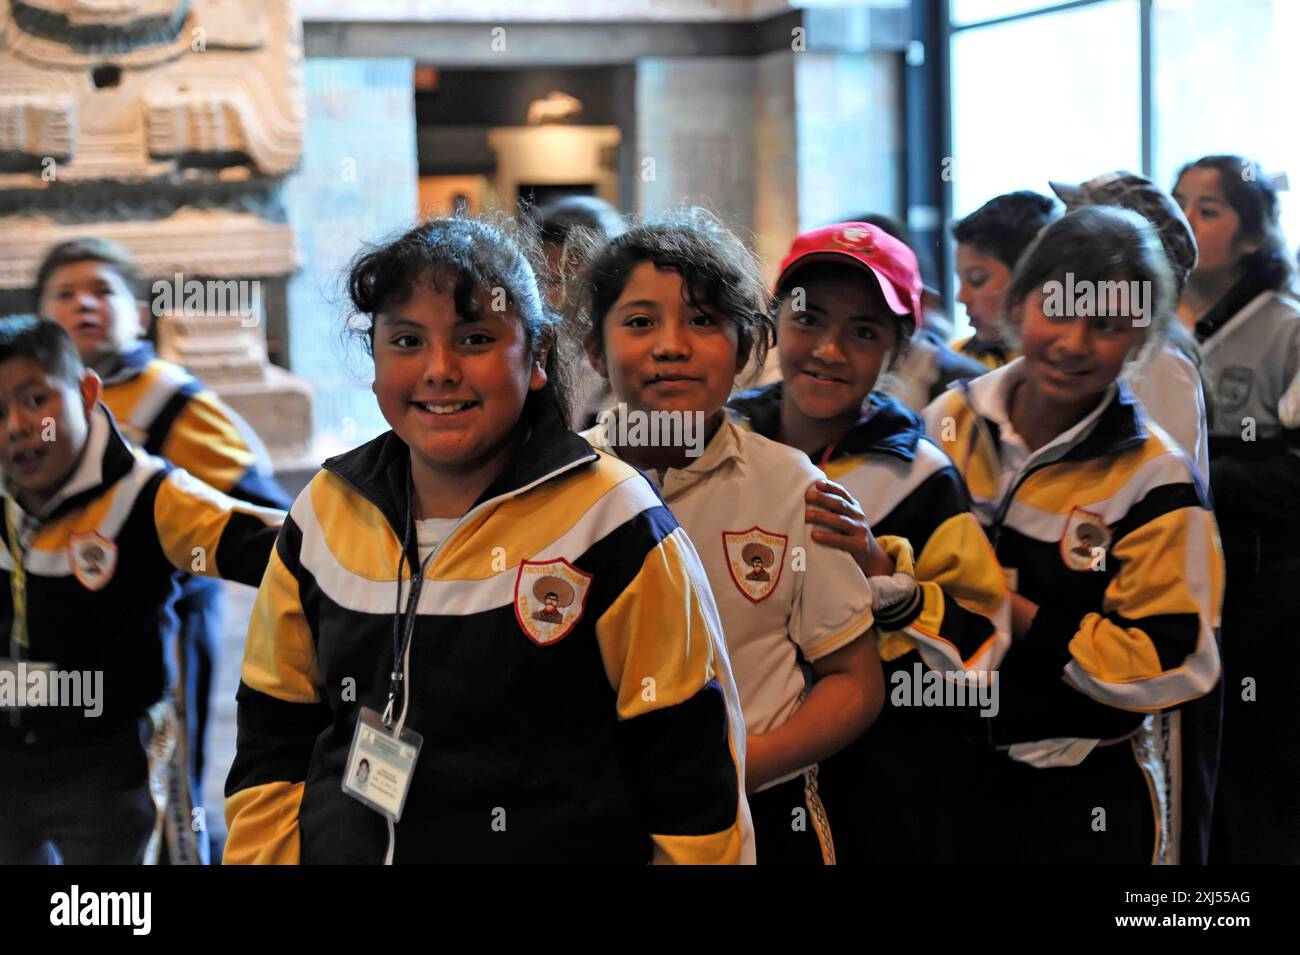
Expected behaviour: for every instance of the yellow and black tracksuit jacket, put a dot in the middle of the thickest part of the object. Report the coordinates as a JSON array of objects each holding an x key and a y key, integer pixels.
[
  {"x": 621, "y": 741},
  {"x": 909, "y": 488},
  {"x": 1110, "y": 533},
  {"x": 98, "y": 568},
  {"x": 906, "y": 765},
  {"x": 162, "y": 408},
  {"x": 165, "y": 410}
]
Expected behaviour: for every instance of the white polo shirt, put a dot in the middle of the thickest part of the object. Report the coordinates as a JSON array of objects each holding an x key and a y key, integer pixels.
[{"x": 742, "y": 504}]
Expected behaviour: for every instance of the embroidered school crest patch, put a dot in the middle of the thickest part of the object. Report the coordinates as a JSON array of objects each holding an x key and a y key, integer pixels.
[
  {"x": 755, "y": 558},
  {"x": 93, "y": 558},
  {"x": 1235, "y": 385},
  {"x": 550, "y": 597},
  {"x": 1085, "y": 541}
]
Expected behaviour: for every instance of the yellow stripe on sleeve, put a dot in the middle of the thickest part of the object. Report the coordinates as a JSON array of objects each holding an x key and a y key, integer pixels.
[
  {"x": 205, "y": 442},
  {"x": 263, "y": 825},
  {"x": 279, "y": 654},
  {"x": 1158, "y": 576},
  {"x": 657, "y": 630},
  {"x": 191, "y": 518},
  {"x": 960, "y": 560},
  {"x": 717, "y": 848}
]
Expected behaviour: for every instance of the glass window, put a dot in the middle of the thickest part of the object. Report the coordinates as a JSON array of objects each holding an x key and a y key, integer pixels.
[
  {"x": 975, "y": 11},
  {"x": 1225, "y": 76},
  {"x": 1051, "y": 97}
]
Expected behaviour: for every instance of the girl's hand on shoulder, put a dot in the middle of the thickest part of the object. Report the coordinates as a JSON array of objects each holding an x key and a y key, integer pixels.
[{"x": 839, "y": 522}]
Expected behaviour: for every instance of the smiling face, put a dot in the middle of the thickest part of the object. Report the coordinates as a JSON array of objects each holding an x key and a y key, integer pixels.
[
  {"x": 44, "y": 422},
  {"x": 1199, "y": 193},
  {"x": 833, "y": 350},
  {"x": 661, "y": 353},
  {"x": 453, "y": 386},
  {"x": 91, "y": 300},
  {"x": 1073, "y": 360},
  {"x": 983, "y": 280}
]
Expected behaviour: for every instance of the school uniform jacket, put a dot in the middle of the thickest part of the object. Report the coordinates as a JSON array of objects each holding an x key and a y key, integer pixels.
[
  {"x": 1111, "y": 534},
  {"x": 908, "y": 488},
  {"x": 613, "y": 735},
  {"x": 165, "y": 410},
  {"x": 99, "y": 563}
]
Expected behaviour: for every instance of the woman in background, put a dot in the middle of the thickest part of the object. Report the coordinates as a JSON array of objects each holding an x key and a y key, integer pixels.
[{"x": 1239, "y": 304}]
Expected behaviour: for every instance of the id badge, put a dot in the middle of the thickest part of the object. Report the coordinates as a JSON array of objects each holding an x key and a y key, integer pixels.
[{"x": 380, "y": 765}]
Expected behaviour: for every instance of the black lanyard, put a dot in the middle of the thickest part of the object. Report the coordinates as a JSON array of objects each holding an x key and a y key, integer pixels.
[{"x": 404, "y": 623}]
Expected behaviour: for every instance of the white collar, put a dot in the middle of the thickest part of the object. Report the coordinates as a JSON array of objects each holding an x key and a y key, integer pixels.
[
  {"x": 722, "y": 447},
  {"x": 990, "y": 397}
]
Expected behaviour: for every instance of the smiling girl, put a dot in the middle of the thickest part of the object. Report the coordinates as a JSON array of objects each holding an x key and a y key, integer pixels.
[
  {"x": 848, "y": 298},
  {"x": 509, "y": 627},
  {"x": 1109, "y": 544},
  {"x": 672, "y": 312}
]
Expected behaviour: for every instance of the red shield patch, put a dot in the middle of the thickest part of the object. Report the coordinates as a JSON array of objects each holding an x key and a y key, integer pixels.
[
  {"x": 550, "y": 597},
  {"x": 755, "y": 558}
]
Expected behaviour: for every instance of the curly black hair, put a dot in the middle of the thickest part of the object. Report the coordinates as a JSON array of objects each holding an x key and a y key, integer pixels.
[
  {"x": 463, "y": 254},
  {"x": 719, "y": 274}
]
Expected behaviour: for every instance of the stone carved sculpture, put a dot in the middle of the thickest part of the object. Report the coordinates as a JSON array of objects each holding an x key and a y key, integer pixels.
[{"x": 167, "y": 126}]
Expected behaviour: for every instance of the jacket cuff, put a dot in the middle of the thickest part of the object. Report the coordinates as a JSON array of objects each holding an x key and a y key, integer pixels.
[{"x": 896, "y": 600}]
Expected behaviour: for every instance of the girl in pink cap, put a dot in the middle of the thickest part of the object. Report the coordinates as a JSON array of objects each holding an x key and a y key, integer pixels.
[{"x": 846, "y": 306}]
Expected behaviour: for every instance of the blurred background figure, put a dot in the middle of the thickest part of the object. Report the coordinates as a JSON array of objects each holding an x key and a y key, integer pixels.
[
  {"x": 1240, "y": 304},
  {"x": 989, "y": 243},
  {"x": 92, "y": 287},
  {"x": 576, "y": 222}
]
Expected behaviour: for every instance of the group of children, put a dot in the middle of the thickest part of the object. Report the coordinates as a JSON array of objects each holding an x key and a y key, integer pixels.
[
  {"x": 837, "y": 630},
  {"x": 100, "y": 538}
]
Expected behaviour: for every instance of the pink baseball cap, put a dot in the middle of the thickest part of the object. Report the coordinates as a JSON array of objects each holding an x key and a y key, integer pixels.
[{"x": 859, "y": 243}]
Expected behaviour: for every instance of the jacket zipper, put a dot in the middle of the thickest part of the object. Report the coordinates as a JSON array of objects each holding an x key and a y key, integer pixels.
[{"x": 422, "y": 568}]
